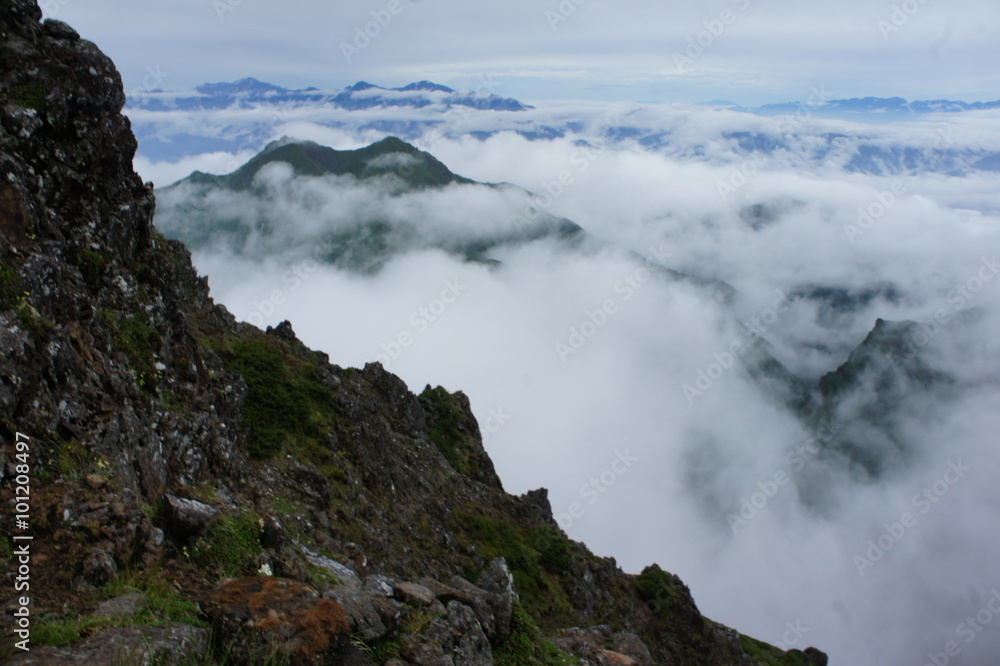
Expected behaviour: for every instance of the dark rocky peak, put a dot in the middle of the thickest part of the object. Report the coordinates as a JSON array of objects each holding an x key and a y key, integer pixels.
[{"x": 307, "y": 158}]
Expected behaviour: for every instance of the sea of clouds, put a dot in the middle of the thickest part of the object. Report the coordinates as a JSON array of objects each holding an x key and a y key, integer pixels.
[{"x": 599, "y": 377}]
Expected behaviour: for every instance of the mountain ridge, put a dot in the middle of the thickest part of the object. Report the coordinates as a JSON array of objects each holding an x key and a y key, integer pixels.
[
  {"x": 203, "y": 490},
  {"x": 359, "y": 96}
]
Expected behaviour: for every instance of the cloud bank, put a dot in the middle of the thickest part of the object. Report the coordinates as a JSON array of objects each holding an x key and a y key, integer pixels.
[{"x": 576, "y": 363}]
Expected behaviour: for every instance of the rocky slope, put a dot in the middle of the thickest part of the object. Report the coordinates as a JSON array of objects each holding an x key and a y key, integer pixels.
[{"x": 205, "y": 492}]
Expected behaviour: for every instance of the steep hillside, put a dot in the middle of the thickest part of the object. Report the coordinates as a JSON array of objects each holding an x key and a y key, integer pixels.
[{"x": 201, "y": 491}]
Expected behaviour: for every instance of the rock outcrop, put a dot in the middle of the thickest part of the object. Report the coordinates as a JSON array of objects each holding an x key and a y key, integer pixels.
[{"x": 227, "y": 486}]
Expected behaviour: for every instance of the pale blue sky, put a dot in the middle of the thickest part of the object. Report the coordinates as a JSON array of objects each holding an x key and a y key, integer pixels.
[{"x": 750, "y": 51}]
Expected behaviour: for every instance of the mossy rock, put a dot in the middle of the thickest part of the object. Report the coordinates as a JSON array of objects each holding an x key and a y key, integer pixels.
[{"x": 229, "y": 546}]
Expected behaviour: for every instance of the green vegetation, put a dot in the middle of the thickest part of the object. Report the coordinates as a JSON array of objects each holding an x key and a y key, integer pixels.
[
  {"x": 447, "y": 434},
  {"x": 529, "y": 553},
  {"x": 526, "y": 646},
  {"x": 29, "y": 95},
  {"x": 13, "y": 297},
  {"x": 165, "y": 606},
  {"x": 287, "y": 406},
  {"x": 553, "y": 547},
  {"x": 311, "y": 159},
  {"x": 11, "y": 287},
  {"x": 92, "y": 265},
  {"x": 171, "y": 402},
  {"x": 321, "y": 578},
  {"x": 73, "y": 459},
  {"x": 768, "y": 655},
  {"x": 379, "y": 651},
  {"x": 135, "y": 337},
  {"x": 416, "y": 620},
  {"x": 33, "y": 321},
  {"x": 661, "y": 590},
  {"x": 229, "y": 546}
]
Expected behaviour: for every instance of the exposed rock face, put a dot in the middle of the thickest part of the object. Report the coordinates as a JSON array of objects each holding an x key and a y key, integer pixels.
[{"x": 173, "y": 449}]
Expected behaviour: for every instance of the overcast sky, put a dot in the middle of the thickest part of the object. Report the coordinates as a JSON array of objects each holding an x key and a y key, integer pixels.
[{"x": 750, "y": 51}]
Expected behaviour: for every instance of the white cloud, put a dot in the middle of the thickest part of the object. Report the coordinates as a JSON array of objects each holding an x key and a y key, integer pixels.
[{"x": 622, "y": 389}]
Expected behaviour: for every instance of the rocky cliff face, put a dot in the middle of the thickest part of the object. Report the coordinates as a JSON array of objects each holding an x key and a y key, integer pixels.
[{"x": 205, "y": 492}]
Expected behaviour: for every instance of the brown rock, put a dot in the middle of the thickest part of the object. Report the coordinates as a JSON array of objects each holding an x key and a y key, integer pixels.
[
  {"x": 95, "y": 482},
  {"x": 413, "y": 594},
  {"x": 609, "y": 658},
  {"x": 251, "y": 617}
]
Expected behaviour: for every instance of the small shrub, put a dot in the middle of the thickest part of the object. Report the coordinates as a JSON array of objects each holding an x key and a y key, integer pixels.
[
  {"x": 229, "y": 546},
  {"x": 92, "y": 265},
  {"x": 447, "y": 433},
  {"x": 526, "y": 646},
  {"x": 11, "y": 287},
  {"x": 29, "y": 95},
  {"x": 135, "y": 337}
]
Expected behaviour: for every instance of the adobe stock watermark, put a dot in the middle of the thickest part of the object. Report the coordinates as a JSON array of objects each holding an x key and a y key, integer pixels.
[
  {"x": 752, "y": 506},
  {"x": 794, "y": 632},
  {"x": 726, "y": 359},
  {"x": 293, "y": 279},
  {"x": 579, "y": 162},
  {"x": 595, "y": 320},
  {"x": 596, "y": 487},
  {"x": 494, "y": 422},
  {"x": 714, "y": 28},
  {"x": 365, "y": 35},
  {"x": 869, "y": 215},
  {"x": 223, "y": 7},
  {"x": 563, "y": 11},
  {"x": 900, "y": 15},
  {"x": 967, "y": 630},
  {"x": 151, "y": 81},
  {"x": 946, "y": 136},
  {"x": 923, "y": 502},
  {"x": 959, "y": 299},
  {"x": 420, "y": 321},
  {"x": 740, "y": 175},
  {"x": 52, "y": 7}
]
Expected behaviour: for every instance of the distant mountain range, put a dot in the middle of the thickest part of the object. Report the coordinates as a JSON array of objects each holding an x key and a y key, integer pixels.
[
  {"x": 421, "y": 94},
  {"x": 360, "y": 96},
  {"x": 871, "y": 107},
  {"x": 427, "y": 111}
]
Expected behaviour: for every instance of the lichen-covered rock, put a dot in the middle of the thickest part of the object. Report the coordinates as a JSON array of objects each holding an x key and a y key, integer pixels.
[
  {"x": 127, "y": 605},
  {"x": 630, "y": 645},
  {"x": 174, "y": 643},
  {"x": 188, "y": 517},
  {"x": 434, "y": 647},
  {"x": 472, "y": 648},
  {"x": 499, "y": 582},
  {"x": 253, "y": 617},
  {"x": 365, "y": 619}
]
